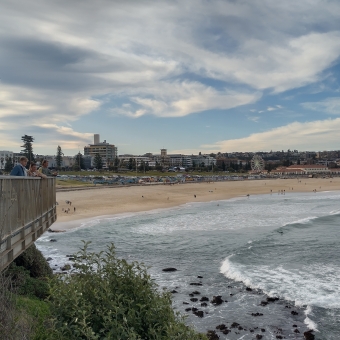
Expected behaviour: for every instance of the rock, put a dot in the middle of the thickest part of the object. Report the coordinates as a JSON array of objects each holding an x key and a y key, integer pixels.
[
  {"x": 196, "y": 284},
  {"x": 53, "y": 240},
  {"x": 204, "y": 304},
  {"x": 258, "y": 336},
  {"x": 212, "y": 335},
  {"x": 249, "y": 289},
  {"x": 191, "y": 294},
  {"x": 294, "y": 313},
  {"x": 200, "y": 277},
  {"x": 279, "y": 337},
  {"x": 221, "y": 327},
  {"x": 240, "y": 328},
  {"x": 234, "y": 325},
  {"x": 187, "y": 309},
  {"x": 217, "y": 300},
  {"x": 251, "y": 330},
  {"x": 225, "y": 300},
  {"x": 263, "y": 330},
  {"x": 231, "y": 294},
  {"x": 226, "y": 331},
  {"x": 264, "y": 303},
  {"x": 294, "y": 325},
  {"x": 194, "y": 309},
  {"x": 296, "y": 330},
  {"x": 272, "y": 299},
  {"x": 169, "y": 269},
  {"x": 66, "y": 267},
  {"x": 49, "y": 259},
  {"x": 174, "y": 291},
  {"x": 256, "y": 314},
  {"x": 204, "y": 298},
  {"x": 71, "y": 258},
  {"x": 193, "y": 299},
  {"x": 309, "y": 335},
  {"x": 185, "y": 303},
  {"x": 230, "y": 287},
  {"x": 199, "y": 313},
  {"x": 196, "y": 292}
]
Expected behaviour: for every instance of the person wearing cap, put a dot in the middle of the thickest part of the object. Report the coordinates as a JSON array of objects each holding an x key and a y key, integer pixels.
[{"x": 19, "y": 169}]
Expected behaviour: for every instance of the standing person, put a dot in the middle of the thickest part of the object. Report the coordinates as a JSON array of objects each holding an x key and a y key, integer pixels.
[
  {"x": 19, "y": 169},
  {"x": 45, "y": 170},
  {"x": 33, "y": 171}
]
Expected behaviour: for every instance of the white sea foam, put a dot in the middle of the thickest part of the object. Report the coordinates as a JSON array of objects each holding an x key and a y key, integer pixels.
[
  {"x": 309, "y": 323},
  {"x": 312, "y": 285},
  {"x": 301, "y": 220}
]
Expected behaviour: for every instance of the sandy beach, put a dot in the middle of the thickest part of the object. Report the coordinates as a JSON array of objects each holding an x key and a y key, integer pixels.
[{"x": 105, "y": 201}]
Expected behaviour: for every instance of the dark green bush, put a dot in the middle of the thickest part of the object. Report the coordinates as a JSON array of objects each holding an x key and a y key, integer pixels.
[
  {"x": 33, "y": 260},
  {"x": 108, "y": 298}
]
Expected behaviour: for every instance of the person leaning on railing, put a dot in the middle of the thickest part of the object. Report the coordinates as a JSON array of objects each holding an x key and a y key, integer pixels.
[
  {"x": 33, "y": 171},
  {"x": 45, "y": 170},
  {"x": 19, "y": 169}
]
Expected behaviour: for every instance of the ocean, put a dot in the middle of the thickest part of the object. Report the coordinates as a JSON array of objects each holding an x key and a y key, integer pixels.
[{"x": 246, "y": 250}]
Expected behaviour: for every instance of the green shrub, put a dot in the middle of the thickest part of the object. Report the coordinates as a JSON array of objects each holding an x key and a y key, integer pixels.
[
  {"x": 33, "y": 260},
  {"x": 24, "y": 284},
  {"x": 108, "y": 298}
]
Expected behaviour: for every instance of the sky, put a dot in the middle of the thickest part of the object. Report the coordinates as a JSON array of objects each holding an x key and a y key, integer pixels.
[{"x": 186, "y": 75}]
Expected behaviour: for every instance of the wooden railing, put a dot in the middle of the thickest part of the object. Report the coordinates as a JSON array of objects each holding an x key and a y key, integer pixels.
[{"x": 27, "y": 209}]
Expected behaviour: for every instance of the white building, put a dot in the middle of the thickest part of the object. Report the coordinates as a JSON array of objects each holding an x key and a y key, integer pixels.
[{"x": 4, "y": 155}]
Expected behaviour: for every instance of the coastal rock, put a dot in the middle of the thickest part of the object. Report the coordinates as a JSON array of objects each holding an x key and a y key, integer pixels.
[
  {"x": 191, "y": 294},
  {"x": 256, "y": 314},
  {"x": 185, "y": 303},
  {"x": 53, "y": 240},
  {"x": 204, "y": 298},
  {"x": 226, "y": 331},
  {"x": 49, "y": 259},
  {"x": 309, "y": 335},
  {"x": 199, "y": 313},
  {"x": 196, "y": 284},
  {"x": 196, "y": 292},
  {"x": 296, "y": 330},
  {"x": 204, "y": 304},
  {"x": 272, "y": 299},
  {"x": 294, "y": 325},
  {"x": 279, "y": 337},
  {"x": 187, "y": 309},
  {"x": 259, "y": 336},
  {"x": 249, "y": 289},
  {"x": 194, "y": 309},
  {"x": 263, "y": 330},
  {"x": 235, "y": 325},
  {"x": 194, "y": 299},
  {"x": 221, "y": 327},
  {"x": 66, "y": 267},
  {"x": 169, "y": 269},
  {"x": 264, "y": 303},
  {"x": 71, "y": 258},
  {"x": 217, "y": 300},
  {"x": 200, "y": 277},
  {"x": 212, "y": 335},
  {"x": 294, "y": 312},
  {"x": 174, "y": 291}
]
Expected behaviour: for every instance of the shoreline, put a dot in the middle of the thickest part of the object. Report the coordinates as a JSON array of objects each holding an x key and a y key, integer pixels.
[{"x": 109, "y": 202}]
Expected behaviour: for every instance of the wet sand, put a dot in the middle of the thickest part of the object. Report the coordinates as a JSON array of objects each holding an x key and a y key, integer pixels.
[{"x": 106, "y": 201}]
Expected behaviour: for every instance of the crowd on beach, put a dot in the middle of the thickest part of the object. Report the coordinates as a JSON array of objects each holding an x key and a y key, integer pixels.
[{"x": 33, "y": 171}]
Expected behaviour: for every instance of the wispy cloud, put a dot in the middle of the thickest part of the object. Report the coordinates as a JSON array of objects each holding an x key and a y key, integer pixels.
[
  {"x": 329, "y": 106},
  {"x": 316, "y": 135}
]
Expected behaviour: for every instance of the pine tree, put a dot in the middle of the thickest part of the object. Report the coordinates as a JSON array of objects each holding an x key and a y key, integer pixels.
[
  {"x": 9, "y": 164},
  {"x": 79, "y": 162},
  {"x": 98, "y": 162},
  {"x": 59, "y": 157},
  {"x": 28, "y": 149}
]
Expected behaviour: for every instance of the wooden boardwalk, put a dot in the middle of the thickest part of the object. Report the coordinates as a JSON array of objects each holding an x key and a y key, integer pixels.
[{"x": 27, "y": 210}]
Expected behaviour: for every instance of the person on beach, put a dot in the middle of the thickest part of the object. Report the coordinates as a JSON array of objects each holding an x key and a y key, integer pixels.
[
  {"x": 45, "y": 170},
  {"x": 33, "y": 171},
  {"x": 19, "y": 169}
]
